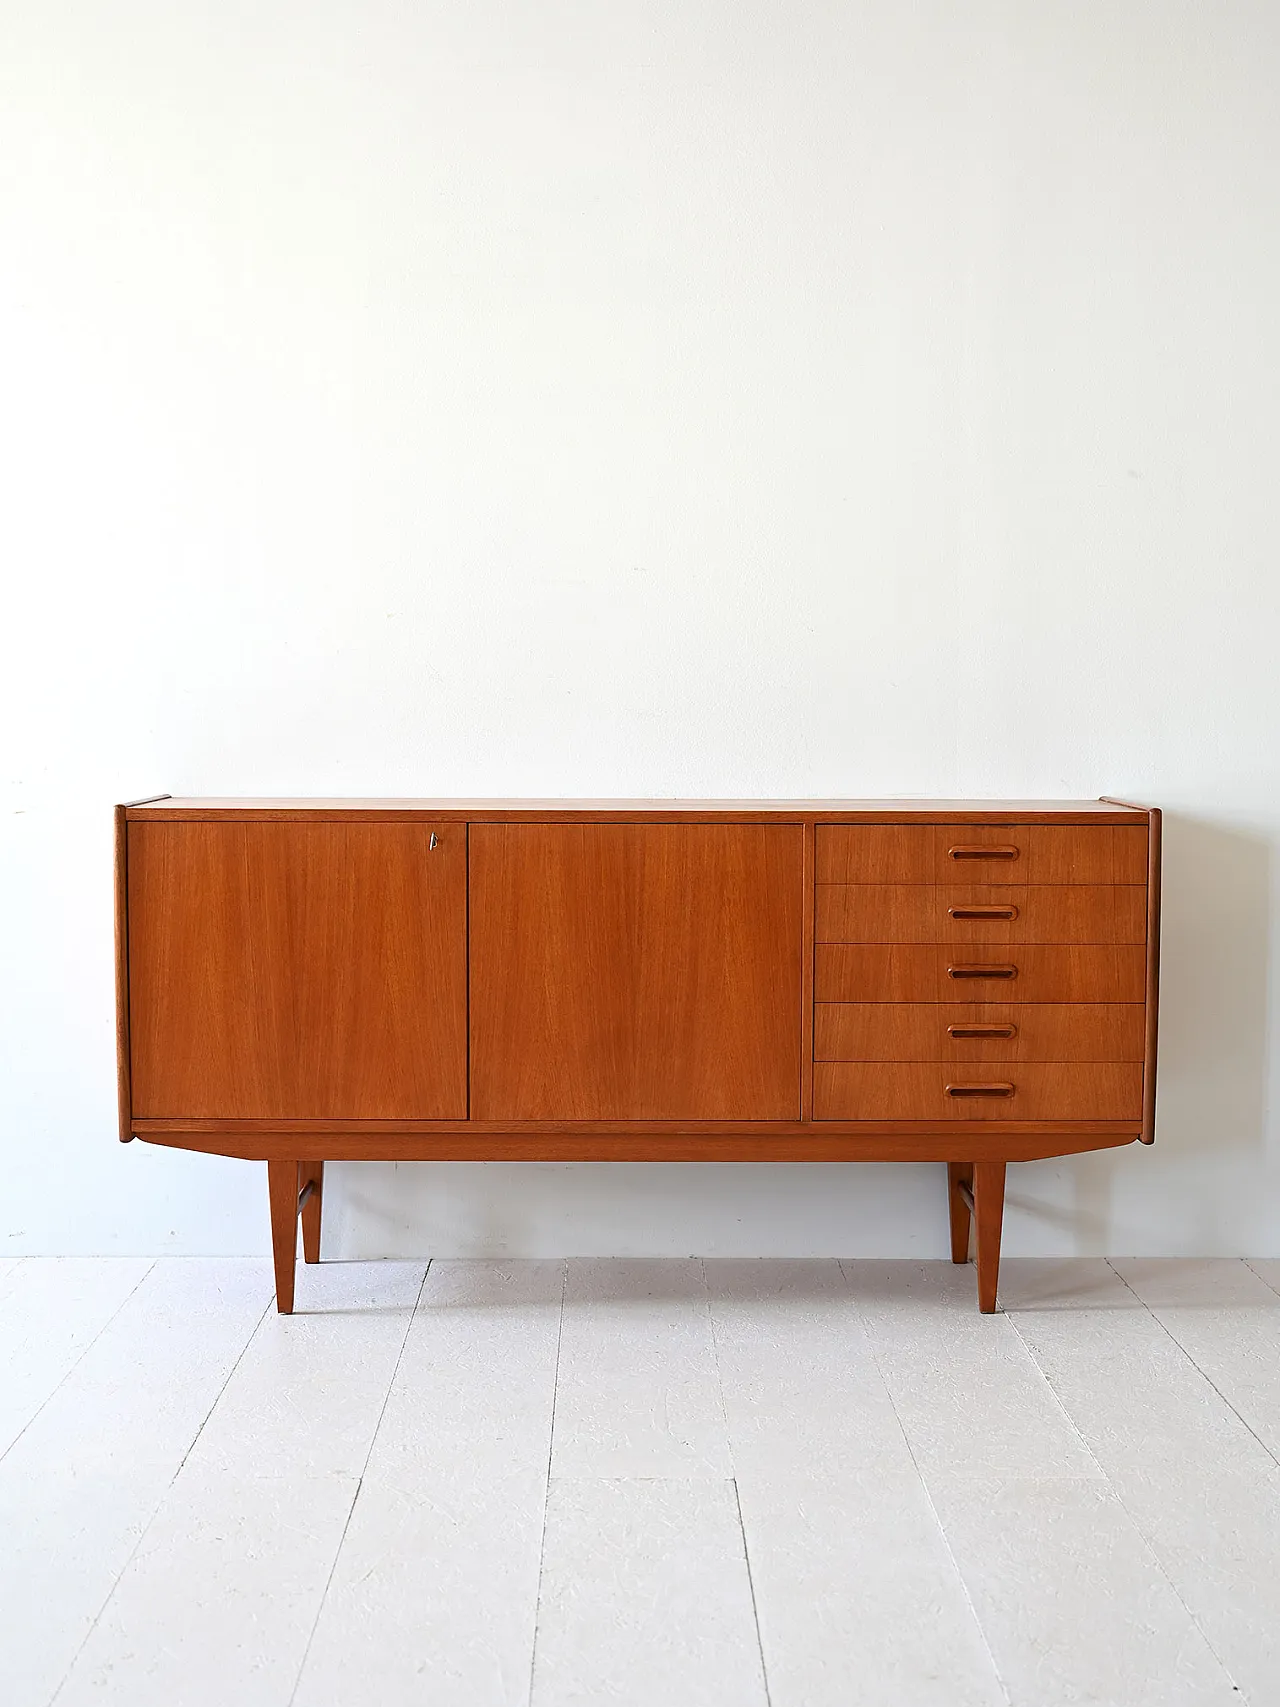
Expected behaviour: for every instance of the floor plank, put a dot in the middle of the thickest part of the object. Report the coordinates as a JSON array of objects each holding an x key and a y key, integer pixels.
[
  {"x": 638, "y": 1393},
  {"x": 645, "y": 1598},
  {"x": 79, "y": 1487},
  {"x": 51, "y": 1311},
  {"x": 966, "y": 1389},
  {"x": 859, "y": 1600},
  {"x": 802, "y": 1390},
  {"x": 435, "y": 1591},
  {"x": 1075, "y": 1501},
  {"x": 1131, "y": 1391},
  {"x": 219, "y": 1600},
  {"x": 1196, "y": 1481},
  {"x": 1071, "y": 1599},
  {"x": 1227, "y": 1320},
  {"x": 1216, "y": 1534}
]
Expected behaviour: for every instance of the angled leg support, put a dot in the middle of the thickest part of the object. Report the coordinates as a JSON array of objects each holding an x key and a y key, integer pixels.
[
  {"x": 988, "y": 1213},
  {"x": 960, "y": 1205},
  {"x": 295, "y": 1188},
  {"x": 282, "y": 1188},
  {"x": 310, "y": 1197}
]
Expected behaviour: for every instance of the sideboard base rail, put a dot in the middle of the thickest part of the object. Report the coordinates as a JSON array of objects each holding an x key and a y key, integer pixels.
[{"x": 961, "y": 1141}]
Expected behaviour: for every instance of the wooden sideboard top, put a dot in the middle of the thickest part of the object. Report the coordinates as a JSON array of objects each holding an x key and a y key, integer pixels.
[{"x": 844, "y": 811}]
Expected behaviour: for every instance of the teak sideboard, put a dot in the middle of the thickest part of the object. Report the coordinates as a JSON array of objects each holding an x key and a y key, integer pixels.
[{"x": 939, "y": 981}]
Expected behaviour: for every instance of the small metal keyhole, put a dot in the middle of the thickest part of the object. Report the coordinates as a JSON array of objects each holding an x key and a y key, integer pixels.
[{"x": 434, "y": 840}]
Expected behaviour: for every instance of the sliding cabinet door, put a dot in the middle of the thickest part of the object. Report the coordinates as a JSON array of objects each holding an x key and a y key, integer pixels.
[
  {"x": 635, "y": 971},
  {"x": 298, "y": 970}
]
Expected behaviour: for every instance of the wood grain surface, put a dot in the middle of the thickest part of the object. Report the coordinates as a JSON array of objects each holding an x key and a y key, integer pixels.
[
  {"x": 826, "y": 1141},
  {"x": 887, "y": 972},
  {"x": 966, "y": 912},
  {"x": 922, "y": 853},
  {"x": 307, "y": 970},
  {"x": 282, "y": 1196},
  {"x": 914, "y": 1090},
  {"x": 641, "y": 971},
  {"x": 972, "y": 1031},
  {"x": 988, "y": 1215}
]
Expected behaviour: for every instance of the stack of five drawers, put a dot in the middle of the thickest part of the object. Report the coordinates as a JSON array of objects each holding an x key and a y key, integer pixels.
[{"x": 979, "y": 971}]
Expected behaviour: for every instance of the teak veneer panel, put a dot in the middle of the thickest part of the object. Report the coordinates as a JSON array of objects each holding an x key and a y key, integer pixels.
[
  {"x": 916, "y": 1090},
  {"x": 889, "y": 972},
  {"x": 1042, "y": 913},
  {"x": 978, "y": 1031},
  {"x": 308, "y": 970},
  {"x": 643, "y": 971},
  {"x": 815, "y": 1141},
  {"x": 1020, "y": 853}
]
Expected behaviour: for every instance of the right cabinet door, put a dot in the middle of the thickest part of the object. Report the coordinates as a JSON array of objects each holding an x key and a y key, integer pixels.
[{"x": 635, "y": 971}]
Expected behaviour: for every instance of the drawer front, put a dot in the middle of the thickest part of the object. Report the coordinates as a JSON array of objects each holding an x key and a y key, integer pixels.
[
  {"x": 981, "y": 853},
  {"x": 860, "y": 1090},
  {"x": 876, "y": 853},
  {"x": 961, "y": 1033},
  {"x": 988, "y": 913},
  {"x": 1035, "y": 972}
]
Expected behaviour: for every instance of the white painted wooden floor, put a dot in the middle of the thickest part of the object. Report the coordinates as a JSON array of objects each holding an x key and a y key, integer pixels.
[{"x": 656, "y": 1484}]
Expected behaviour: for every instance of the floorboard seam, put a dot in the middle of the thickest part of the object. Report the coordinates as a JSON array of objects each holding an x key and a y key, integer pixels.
[
  {"x": 751, "y": 1590},
  {"x": 1248, "y": 1263},
  {"x": 546, "y": 1493},
  {"x": 70, "y": 1371},
  {"x": 928, "y": 1493},
  {"x": 737, "y": 1497},
  {"x": 159, "y": 1505},
  {"x": 1203, "y": 1373},
  {"x": 373, "y": 1437},
  {"x": 1138, "y": 1529}
]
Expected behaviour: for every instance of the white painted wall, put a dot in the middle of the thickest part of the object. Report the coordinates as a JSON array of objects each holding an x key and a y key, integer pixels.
[{"x": 662, "y": 397}]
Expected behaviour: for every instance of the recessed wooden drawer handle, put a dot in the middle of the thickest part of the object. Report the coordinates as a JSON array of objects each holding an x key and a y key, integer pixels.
[
  {"x": 983, "y": 912},
  {"x": 982, "y": 971},
  {"x": 970, "y": 851},
  {"x": 991, "y": 1090},
  {"x": 982, "y": 1031}
]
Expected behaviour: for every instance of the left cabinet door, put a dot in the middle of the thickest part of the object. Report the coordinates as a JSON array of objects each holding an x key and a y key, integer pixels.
[{"x": 298, "y": 970}]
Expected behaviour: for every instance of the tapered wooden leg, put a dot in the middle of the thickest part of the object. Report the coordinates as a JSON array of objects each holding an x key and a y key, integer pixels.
[
  {"x": 988, "y": 1212},
  {"x": 282, "y": 1187},
  {"x": 959, "y": 1174},
  {"x": 311, "y": 1174}
]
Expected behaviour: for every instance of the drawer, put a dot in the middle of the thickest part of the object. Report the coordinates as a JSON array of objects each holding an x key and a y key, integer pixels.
[
  {"x": 1027, "y": 972},
  {"x": 919, "y": 912},
  {"x": 981, "y": 853},
  {"x": 978, "y": 1031},
  {"x": 913, "y": 1090}
]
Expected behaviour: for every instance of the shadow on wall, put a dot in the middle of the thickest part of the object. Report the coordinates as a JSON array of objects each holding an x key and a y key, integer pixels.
[
  {"x": 1213, "y": 1072},
  {"x": 1215, "y": 948}
]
